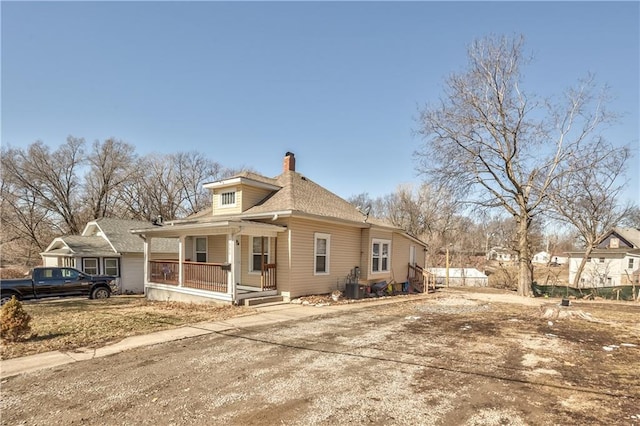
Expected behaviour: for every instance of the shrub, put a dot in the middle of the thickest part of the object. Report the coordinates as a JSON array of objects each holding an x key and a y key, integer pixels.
[{"x": 14, "y": 321}]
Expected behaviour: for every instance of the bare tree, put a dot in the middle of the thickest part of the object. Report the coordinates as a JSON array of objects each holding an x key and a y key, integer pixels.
[
  {"x": 588, "y": 196},
  {"x": 632, "y": 219},
  {"x": 50, "y": 178},
  {"x": 110, "y": 168},
  {"x": 192, "y": 170},
  {"x": 26, "y": 226},
  {"x": 488, "y": 136}
]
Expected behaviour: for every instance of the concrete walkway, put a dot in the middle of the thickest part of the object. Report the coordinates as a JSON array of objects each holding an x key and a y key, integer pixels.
[{"x": 272, "y": 314}]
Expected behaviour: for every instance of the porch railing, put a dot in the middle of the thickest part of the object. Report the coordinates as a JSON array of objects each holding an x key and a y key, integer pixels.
[
  {"x": 416, "y": 278},
  {"x": 206, "y": 276},
  {"x": 164, "y": 271},
  {"x": 268, "y": 278},
  {"x": 202, "y": 276}
]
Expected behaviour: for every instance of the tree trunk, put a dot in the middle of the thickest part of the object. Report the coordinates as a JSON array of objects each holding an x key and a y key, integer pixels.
[
  {"x": 525, "y": 272},
  {"x": 583, "y": 263}
]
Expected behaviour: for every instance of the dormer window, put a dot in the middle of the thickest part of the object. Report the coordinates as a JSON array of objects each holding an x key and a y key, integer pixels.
[{"x": 228, "y": 199}]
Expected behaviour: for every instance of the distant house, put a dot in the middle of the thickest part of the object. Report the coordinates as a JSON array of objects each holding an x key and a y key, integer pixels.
[
  {"x": 615, "y": 261},
  {"x": 282, "y": 237},
  {"x": 107, "y": 247},
  {"x": 541, "y": 258},
  {"x": 546, "y": 258},
  {"x": 469, "y": 277},
  {"x": 502, "y": 254}
]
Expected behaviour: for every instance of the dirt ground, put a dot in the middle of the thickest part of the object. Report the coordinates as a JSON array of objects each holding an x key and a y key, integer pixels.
[{"x": 453, "y": 358}]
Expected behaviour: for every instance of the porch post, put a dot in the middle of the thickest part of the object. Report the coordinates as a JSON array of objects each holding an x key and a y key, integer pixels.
[
  {"x": 147, "y": 258},
  {"x": 181, "y": 248},
  {"x": 233, "y": 253}
]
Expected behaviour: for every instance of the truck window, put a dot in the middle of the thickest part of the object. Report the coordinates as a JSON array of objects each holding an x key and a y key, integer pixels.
[
  {"x": 50, "y": 273},
  {"x": 46, "y": 273},
  {"x": 69, "y": 273}
]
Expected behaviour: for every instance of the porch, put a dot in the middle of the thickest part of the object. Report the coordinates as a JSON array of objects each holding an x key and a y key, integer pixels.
[
  {"x": 209, "y": 280},
  {"x": 226, "y": 261}
]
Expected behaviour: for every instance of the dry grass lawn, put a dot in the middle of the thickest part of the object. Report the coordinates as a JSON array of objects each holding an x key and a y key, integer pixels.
[{"x": 67, "y": 324}]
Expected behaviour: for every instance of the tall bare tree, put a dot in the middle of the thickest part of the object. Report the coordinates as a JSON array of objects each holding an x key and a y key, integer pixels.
[
  {"x": 488, "y": 136},
  {"x": 193, "y": 169},
  {"x": 110, "y": 168},
  {"x": 588, "y": 196},
  {"x": 50, "y": 178}
]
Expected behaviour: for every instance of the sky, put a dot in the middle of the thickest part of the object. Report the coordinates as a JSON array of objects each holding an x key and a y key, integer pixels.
[{"x": 340, "y": 84}]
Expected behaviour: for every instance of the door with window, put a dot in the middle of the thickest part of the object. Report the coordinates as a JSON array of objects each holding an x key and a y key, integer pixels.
[
  {"x": 201, "y": 249},
  {"x": 73, "y": 282}
]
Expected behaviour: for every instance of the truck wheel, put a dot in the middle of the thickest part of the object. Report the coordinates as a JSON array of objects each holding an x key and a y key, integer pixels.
[
  {"x": 100, "y": 293},
  {"x": 5, "y": 298}
]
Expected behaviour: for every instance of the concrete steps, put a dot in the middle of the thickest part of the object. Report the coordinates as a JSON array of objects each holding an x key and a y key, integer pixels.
[{"x": 263, "y": 300}]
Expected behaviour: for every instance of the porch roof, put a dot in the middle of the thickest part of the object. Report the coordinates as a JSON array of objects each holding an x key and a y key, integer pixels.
[{"x": 221, "y": 227}]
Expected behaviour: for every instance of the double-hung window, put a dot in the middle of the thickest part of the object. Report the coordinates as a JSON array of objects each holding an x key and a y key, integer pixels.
[
  {"x": 112, "y": 266},
  {"x": 380, "y": 255},
  {"x": 322, "y": 245},
  {"x": 630, "y": 265},
  {"x": 90, "y": 265},
  {"x": 259, "y": 252}
]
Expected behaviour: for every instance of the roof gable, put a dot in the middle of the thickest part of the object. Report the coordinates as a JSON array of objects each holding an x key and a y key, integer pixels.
[{"x": 621, "y": 238}]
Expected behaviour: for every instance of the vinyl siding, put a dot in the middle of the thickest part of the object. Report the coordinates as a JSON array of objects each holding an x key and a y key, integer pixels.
[
  {"x": 217, "y": 249},
  {"x": 132, "y": 273},
  {"x": 252, "y": 196},
  {"x": 344, "y": 255},
  {"x": 400, "y": 248},
  {"x": 223, "y": 211},
  {"x": 49, "y": 261}
]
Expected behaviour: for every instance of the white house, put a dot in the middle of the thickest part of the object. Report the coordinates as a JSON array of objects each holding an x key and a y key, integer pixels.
[
  {"x": 107, "y": 247},
  {"x": 615, "y": 261},
  {"x": 502, "y": 254},
  {"x": 546, "y": 258}
]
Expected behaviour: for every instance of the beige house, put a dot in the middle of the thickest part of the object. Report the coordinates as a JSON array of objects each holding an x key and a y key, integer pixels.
[
  {"x": 284, "y": 236},
  {"x": 107, "y": 247}
]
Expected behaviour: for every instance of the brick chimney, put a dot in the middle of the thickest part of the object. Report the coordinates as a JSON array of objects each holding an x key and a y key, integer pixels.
[{"x": 289, "y": 162}]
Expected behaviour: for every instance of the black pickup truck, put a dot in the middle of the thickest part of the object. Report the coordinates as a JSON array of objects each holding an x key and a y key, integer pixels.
[{"x": 57, "y": 282}]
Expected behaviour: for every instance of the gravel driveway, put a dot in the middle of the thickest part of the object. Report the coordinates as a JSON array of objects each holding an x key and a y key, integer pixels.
[{"x": 446, "y": 360}]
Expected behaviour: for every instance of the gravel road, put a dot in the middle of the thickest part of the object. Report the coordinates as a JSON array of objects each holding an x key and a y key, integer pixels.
[{"x": 446, "y": 360}]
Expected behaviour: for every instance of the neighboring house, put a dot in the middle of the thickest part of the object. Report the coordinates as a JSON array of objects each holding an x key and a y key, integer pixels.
[
  {"x": 285, "y": 236},
  {"x": 541, "y": 258},
  {"x": 615, "y": 261},
  {"x": 469, "y": 277},
  {"x": 546, "y": 258},
  {"x": 107, "y": 247},
  {"x": 502, "y": 254}
]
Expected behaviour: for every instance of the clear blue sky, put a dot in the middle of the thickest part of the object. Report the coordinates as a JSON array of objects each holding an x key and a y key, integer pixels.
[{"x": 339, "y": 84}]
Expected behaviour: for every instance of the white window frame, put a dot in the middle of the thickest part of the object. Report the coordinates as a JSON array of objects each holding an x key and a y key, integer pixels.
[
  {"x": 104, "y": 265},
  {"x": 196, "y": 251},
  {"x": 252, "y": 253},
  {"x": 380, "y": 256},
  {"x": 84, "y": 265},
  {"x": 327, "y": 261},
  {"x": 631, "y": 263},
  {"x": 221, "y": 199}
]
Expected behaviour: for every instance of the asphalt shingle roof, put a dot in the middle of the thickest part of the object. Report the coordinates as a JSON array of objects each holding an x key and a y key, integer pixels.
[{"x": 117, "y": 231}]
